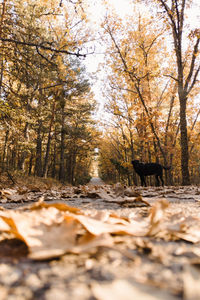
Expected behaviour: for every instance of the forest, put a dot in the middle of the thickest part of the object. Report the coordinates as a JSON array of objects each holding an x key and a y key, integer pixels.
[
  {"x": 87, "y": 89},
  {"x": 148, "y": 82}
]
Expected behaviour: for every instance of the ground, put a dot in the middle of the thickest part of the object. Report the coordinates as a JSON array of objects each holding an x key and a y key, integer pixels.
[{"x": 143, "y": 243}]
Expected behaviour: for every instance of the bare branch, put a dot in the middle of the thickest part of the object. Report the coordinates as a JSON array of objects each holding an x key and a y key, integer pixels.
[
  {"x": 182, "y": 15},
  {"x": 194, "y": 55},
  {"x": 194, "y": 79},
  {"x": 78, "y": 54},
  {"x": 122, "y": 89},
  {"x": 45, "y": 58},
  {"x": 168, "y": 11},
  {"x": 167, "y": 75},
  {"x": 153, "y": 41},
  {"x": 117, "y": 47}
]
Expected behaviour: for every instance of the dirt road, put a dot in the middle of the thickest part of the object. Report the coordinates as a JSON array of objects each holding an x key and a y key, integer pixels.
[
  {"x": 163, "y": 265},
  {"x": 96, "y": 181}
]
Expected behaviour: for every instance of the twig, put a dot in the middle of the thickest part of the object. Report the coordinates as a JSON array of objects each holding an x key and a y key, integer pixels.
[{"x": 10, "y": 177}]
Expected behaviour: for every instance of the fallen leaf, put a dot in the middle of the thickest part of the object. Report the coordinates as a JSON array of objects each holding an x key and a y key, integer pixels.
[
  {"x": 46, "y": 232},
  {"x": 136, "y": 202},
  {"x": 60, "y": 206},
  {"x": 16, "y": 198},
  {"x": 156, "y": 216},
  {"x": 97, "y": 227}
]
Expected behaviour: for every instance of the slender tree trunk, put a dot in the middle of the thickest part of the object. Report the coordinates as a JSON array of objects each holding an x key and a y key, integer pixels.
[
  {"x": 53, "y": 172},
  {"x": 125, "y": 139},
  {"x": 13, "y": 158},
  {"x": 68, "y": 167},
  {"x": 132, "y": 155},
  {"x": 3, "y": 12},
  {"x": 30, "y": 164},
  {"x": 21, "y": 163},
  {"x": 4, "y": 148},
  {"x": 73, "y": 166},
  {"x": 38, "y": 162},
  {"x": 46, "y": 160},
  {"x": 62, "y": 150},
  {"x": 184, "y": 143}
]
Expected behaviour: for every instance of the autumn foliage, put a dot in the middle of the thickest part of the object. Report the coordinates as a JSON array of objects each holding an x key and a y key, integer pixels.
[
  {"x": 46, "y": 101},
  {"x": 152, "y": 92},
  {"x": 63, "y": 234},
  {"x": 150, "y": 88}
]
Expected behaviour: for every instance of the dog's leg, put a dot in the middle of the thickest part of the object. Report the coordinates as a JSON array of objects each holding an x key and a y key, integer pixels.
[
  {"x": 143, "y": 182},
  {"x": 157, "y": 180},
  {"x": 161, "y": 178}
]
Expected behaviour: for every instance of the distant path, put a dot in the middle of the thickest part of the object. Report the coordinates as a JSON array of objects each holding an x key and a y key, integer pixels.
[{"x": 96, "y": 181}]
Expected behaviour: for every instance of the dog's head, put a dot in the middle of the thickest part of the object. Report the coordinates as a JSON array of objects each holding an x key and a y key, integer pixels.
[{"x": 135, "y": 162}]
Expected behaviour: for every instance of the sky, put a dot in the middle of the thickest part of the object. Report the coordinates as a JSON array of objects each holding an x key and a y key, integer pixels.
[{"x": 122, "y": 7}]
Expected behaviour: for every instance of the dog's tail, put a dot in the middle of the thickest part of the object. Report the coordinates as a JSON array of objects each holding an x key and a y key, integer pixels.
[{"x": 166, "y": 168}]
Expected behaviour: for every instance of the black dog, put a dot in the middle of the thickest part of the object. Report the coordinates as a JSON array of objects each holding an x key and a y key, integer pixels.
[{"x": 149, "y": 169}]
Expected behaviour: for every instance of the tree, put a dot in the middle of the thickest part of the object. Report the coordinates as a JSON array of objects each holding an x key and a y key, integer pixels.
[
  {"x": 187, "y": 70},
  {"x": 134, "y": 60},
  {"x": 39, "y": 84},
  {"x": 138, "y": 63}
]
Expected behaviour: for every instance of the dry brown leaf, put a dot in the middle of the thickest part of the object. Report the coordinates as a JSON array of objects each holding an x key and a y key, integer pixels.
[
  {"x": 97, "y": 227},
  {"x": 111, "y": 218},
  {"x": 16, "y": 198},
  {"x": 187, "y": 230},
  {"x": 88, "y": 242},
  {"x": 11, "y": 195},
  {"x": 46, "y": 232},
  {"x": 4, "y": 226},
  {"x": 12, "y": 228},
  {"x": 136, "y": 202},
  {"x": 22, "y": 190},
  {"x": 106, "y": 196},
  {"x": 157, "y": 216},
  {"x": 129, "y": 192},
  {"x": 8, "y": 192},
  {"x": 60, "y": 206}
]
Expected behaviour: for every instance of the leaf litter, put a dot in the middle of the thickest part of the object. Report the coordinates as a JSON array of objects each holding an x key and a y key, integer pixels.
[{"x": 149, "y": 237}]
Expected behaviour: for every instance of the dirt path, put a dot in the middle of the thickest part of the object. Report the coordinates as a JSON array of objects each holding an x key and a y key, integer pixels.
[
  {"x": 164, "y": 267},
  {"x": 96, "y": 181}
]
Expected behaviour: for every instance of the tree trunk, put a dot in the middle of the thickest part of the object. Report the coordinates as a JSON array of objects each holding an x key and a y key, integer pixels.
[
  {"x": 53, "y": 172},
  {"x": 46, "y": 160},
  {"x": 4, "y": 148},
  {"x": 186, "y": 82},
  {"x": 21, "y": 162},
  {"x": 38, "y": 162},
  {"x": 13, "y": 159},
  {"x": 62, "y": 150},
  {"x": 72, "y": 179},
  {"x": 184, "y": 143},
  {"x": 30, "y": 164}
]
